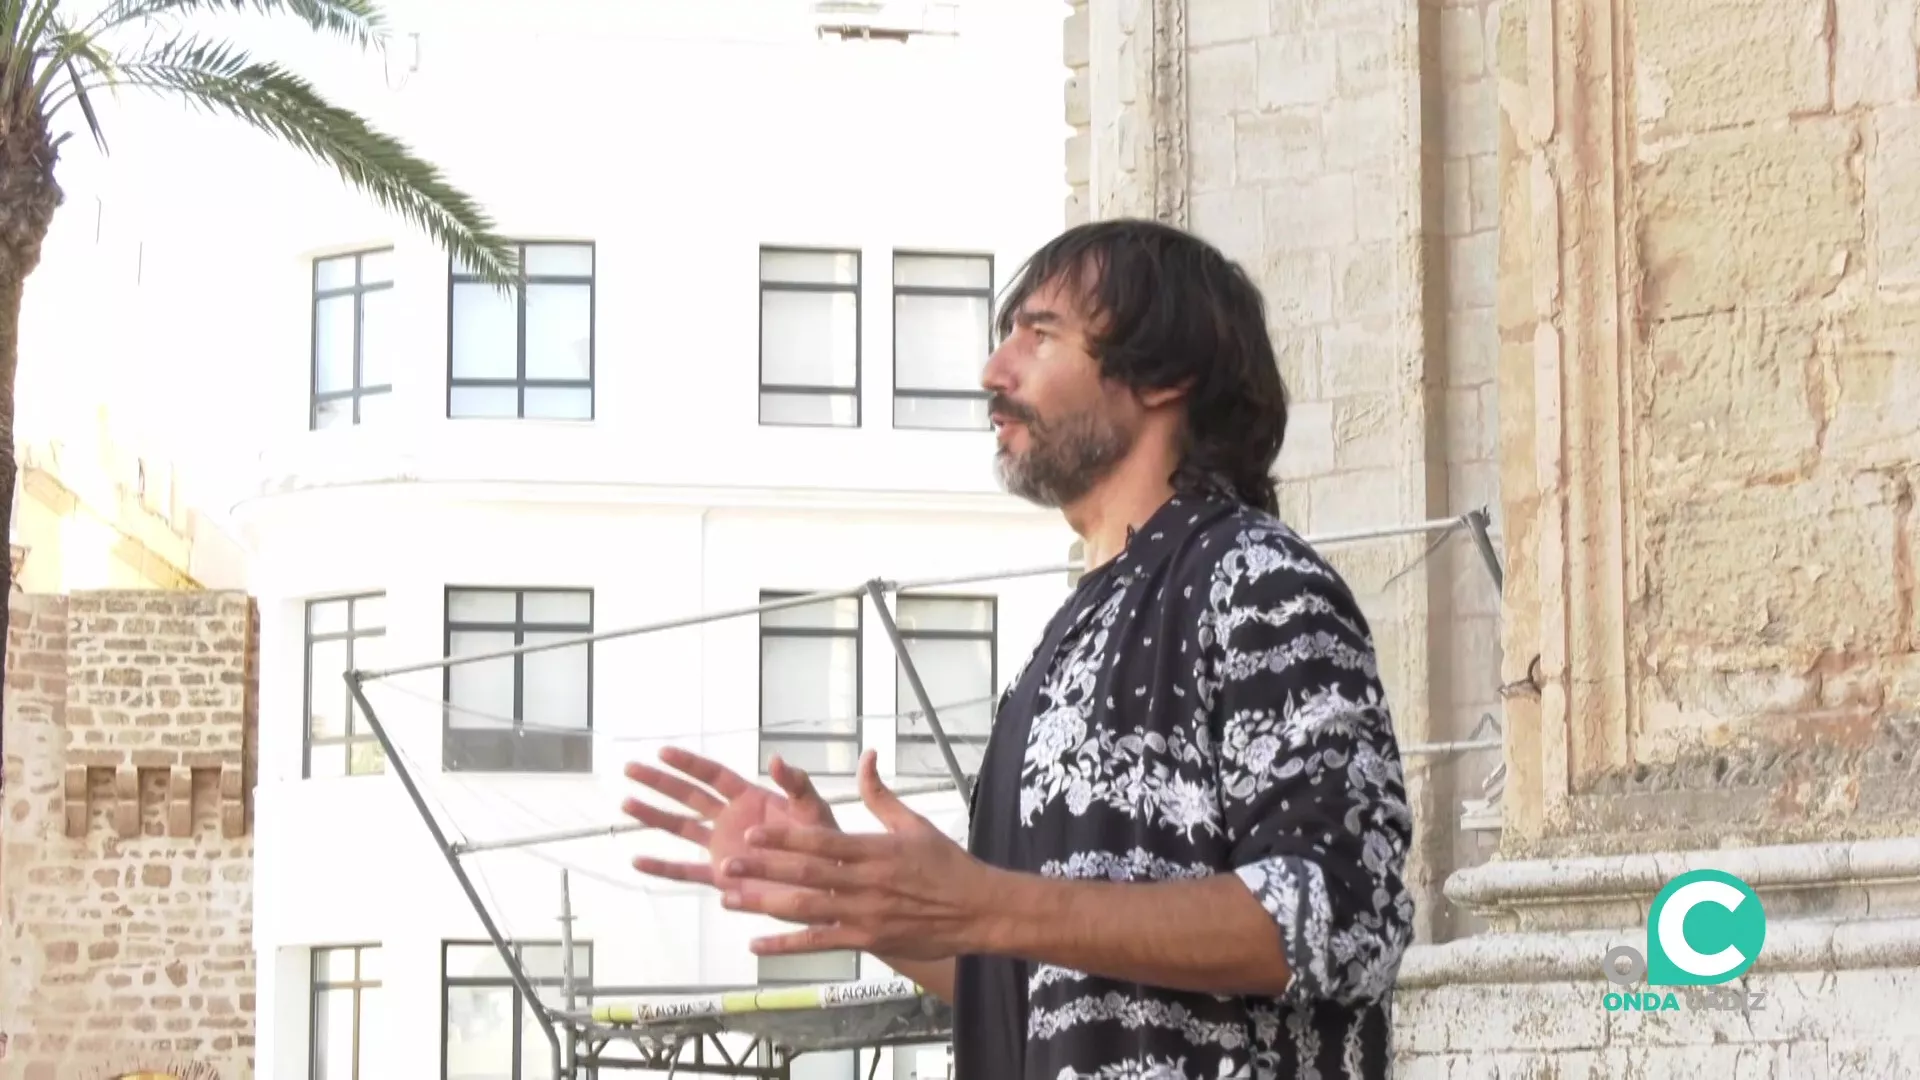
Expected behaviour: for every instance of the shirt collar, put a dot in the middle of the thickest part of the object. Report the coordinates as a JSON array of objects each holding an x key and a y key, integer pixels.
[{"x": 1167, "y": 530}]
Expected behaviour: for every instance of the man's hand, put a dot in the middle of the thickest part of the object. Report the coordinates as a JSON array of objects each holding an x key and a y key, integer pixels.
[
  {"x": 909, "y": 892},
  {"x": 725, "y": 806}
]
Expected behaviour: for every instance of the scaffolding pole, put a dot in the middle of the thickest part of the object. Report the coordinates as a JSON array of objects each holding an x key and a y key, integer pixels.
[
  {"x": 515, "y": 972},
  {"x": 588, "y": 1038},
  {"x": 1385, "y": 532}
]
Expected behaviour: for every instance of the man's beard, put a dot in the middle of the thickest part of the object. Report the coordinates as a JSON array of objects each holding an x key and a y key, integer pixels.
[{"x": 1065, "y": 456}]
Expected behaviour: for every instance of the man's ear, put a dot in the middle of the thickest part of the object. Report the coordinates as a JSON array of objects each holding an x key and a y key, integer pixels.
[{"x": 1160, "y": 396}]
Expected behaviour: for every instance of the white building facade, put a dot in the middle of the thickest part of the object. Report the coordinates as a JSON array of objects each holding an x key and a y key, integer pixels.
[{"x": 762, "y": 262}]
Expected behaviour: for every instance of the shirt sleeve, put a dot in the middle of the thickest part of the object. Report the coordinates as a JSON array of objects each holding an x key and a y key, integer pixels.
[{"x": 1313, "y": 795}]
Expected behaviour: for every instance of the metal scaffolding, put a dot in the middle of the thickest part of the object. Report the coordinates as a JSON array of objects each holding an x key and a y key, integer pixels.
[{"x": 681, "y": 1030}]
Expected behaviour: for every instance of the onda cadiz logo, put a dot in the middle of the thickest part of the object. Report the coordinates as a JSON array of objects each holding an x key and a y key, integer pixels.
[{"x": 1704, "y": 929}]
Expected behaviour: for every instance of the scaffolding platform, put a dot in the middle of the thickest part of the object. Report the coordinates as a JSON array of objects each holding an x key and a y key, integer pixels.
[{"x": 779, "y": 1023}]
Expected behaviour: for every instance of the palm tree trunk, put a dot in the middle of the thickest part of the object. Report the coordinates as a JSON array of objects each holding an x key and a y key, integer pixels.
[
  {"x": 12, "y": 288},
  {"x": 28, "y": 198}
]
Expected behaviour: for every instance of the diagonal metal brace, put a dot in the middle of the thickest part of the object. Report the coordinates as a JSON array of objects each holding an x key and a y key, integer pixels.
[{"x": 877, "y": 589}]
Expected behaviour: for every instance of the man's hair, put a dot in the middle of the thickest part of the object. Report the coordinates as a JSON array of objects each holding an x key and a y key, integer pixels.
[{"x": 1167, "y": 309}]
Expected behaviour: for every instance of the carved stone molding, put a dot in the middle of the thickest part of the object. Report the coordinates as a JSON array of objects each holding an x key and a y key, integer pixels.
[{"x": 1171, "y": 175}]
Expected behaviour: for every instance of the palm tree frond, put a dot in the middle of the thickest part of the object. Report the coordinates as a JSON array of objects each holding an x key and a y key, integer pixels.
[
  {"x": 28, "y": 20},
  {"x": 86, "y": 107},
  {"x": 70, "y": 50},
  {"x": 24, "y": 24},
  {"x": 221, "y": 78},
  {"x": 358, "y": 21}
]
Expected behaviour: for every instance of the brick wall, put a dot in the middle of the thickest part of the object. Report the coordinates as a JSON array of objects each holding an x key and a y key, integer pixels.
[{"x": 126, "y": 885}]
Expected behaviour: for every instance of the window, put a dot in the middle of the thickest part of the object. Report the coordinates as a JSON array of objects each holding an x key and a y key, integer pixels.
[
  {"x": 343, "y": 633},
  {"x": 942, "y": 335},
  {"x": 490, "y": 1032},
  {"x": 923, "y": 1061},
  {"x": 346, "y": 989},
  {"x": 352, "y": 337},
  {"x": 806, "y": 969},
  {"x": 524, "y": 352},
  {"x": 527, "y": 713},
  {"x": 810, "y": 337},
  {"x": 810, "y": 685},
  {"x": 952, "y": 642}
]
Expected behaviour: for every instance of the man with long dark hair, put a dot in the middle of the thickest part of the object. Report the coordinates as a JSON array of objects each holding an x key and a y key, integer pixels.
[{"x": 1190, "y": 828}]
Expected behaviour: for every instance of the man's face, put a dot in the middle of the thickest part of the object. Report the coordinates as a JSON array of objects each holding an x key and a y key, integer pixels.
[{"x": 1061, "y": 429}]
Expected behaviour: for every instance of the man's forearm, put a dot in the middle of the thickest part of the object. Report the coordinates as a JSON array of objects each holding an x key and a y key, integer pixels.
[
  {"x": 1209, "y": 935},
  {"x": 935, "y": 975}
]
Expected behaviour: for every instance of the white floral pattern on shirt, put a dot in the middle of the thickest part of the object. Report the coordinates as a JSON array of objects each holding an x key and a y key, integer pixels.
[{"x": 1218, "y": 709}]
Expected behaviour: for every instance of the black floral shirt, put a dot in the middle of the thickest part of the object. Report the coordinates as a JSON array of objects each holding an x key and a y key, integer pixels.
[{"x": 1207, "y": 702}]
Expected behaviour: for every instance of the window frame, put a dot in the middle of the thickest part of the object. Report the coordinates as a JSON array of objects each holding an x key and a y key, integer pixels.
[
  {"x": 354, "y": 716},
  {"x": 520, "y": 383},
  {"x": 358, "y": 984},
  {"x": 519, "y": 627},
  {"x": 358, "y": 291},
  {"x": 899, "y": 290},
  {"x": 449, "y": 983},
  {"x": 858, "y": 636},
  {"x": 992, "y": 639},
  {"x": 857, "y": 290}
]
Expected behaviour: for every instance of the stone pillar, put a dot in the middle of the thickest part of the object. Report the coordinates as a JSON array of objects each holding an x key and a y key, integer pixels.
[
  {"x": 128, "y": 860},
  {"x": 1127, "y": 156},
  {"x": 1710, "y": 299},
  {"x": 1708, "y": 304}
]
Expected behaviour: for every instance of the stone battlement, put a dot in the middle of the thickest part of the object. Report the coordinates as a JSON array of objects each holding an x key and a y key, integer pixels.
[{"x": 128, "y": 861}]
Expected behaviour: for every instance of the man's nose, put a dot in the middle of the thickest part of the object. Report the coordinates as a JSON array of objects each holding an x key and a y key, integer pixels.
[{"x": 996, "y": 376}]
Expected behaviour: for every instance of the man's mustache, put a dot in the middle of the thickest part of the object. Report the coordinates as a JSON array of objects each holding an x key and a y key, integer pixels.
[{"x": 1003, "y": 406}]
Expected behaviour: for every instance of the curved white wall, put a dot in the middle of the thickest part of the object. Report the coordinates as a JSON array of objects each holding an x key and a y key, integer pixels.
[{"x": 678, "y": 138}]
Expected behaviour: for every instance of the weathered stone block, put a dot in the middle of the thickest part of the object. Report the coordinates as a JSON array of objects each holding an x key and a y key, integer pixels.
[
  {"x": 1463, "y": 43},
  {"x": 1297, "y": 69},
  {"x": 1360, "y": 357},
  {"x": 1316, "y": 214},
  {"x": 1365, "y": 61},
  {"x": 1764, "y": 216},
  {"x": 1079, "y": 111},
  {"x": 1473, "y": 347},
  {"x": 1876, "y": 361},
  {"x": 1486, "y": 191},
  {"x": 1727, "y": 398},
  {"x": 1893, "y": 195},
  {"x": 1214, "y": 23},
  {"x": 1221, "y": 79},
  {"x": 1309, "y": 449},
  {"x": 1874, "y": 54},
  {"x": 1368, "y": 281},
  {"x": 1212, "y": 144},
  {"x": 1473, "y": 269},
  {"x": 1368, "y": 130},
  {"x": 1358, "y": 500},
  {"x": 1284, "y": 145},
  {"x": 1367, "y": 431},
  {"x": 1383, "y": 200},
  {"x": 1540, "y": 1017},
  {"x": 1772, "y": 576},
  {"x": 1298, "y": 286},
  {"x": 1075, "y": 38},
  {"x": 1705, "y": 64},
  {"x": 1470, "y": 117},
  {"x": 1456, "y": 197},
  {"x": 1231, "y": 218}
]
